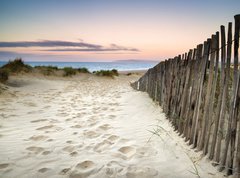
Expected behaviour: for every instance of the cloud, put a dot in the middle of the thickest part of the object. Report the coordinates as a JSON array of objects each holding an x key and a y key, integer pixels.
[
  {"x": 65, "y": 46},
  {"x": 47, "y": 43},
  {"x": 6, "y": 53},
  {"x": 94, "y": 49}
]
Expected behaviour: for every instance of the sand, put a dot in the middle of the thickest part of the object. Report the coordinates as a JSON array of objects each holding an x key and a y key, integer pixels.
[{"x": 88, "y": 126}]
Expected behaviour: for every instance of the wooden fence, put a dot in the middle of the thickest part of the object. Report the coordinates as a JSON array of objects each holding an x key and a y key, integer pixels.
[{"x": 200, "y": 93}]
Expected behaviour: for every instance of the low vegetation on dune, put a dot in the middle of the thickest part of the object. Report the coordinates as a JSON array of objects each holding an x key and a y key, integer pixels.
[
  {"x": 4, "y": 73},
  {"x": 47, "y": 67},
  {"x": 47, "y": 70},
  {"x": 69, "y": 71},
  {"x": 17, "y": 66},
  {"x": 83, "y": 70},
  {"x": 107, "y": 73}
]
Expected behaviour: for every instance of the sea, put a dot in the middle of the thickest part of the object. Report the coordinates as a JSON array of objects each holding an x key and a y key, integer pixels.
[{"x": 95, "y": 66}]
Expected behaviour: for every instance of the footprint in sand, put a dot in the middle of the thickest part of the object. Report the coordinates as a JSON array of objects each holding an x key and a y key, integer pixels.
[
  {"x": 79, "y": 114},
  {"x": 112, "y": 116},
  {"x": 46, "y": 107},
  {"x": 76, "y": 126},
  {"x": 50, "y": 140},
  {"x": 113, "y": 171},
  {"x": 69, "y": 119},
  {"x": 123, "y": 140},
  {"x": 62, "y": 114},
  {"x": 85, "y": 165},
  {"x": 113, "y": 137},
  {"x": 105, "y": 108},
  {"x": 91, "y": 134},
  {"x": 38, "y": 120},
  {"x": 54, "y": 121},
  {"x": 64, "y": 171},
  {"x": 38, "y": 138},
  {"x": 68, "y": 149},
  {"x": 45, "y": 127},
  {"x": 100, "y": 147},
  {"x": 84, "y": 169},
  {"x": 141, "y": 172},
  {"x": 35, "y": 149},
  {"x": 105, "y": 127},
  {"x": 92, "y": 124},
  {"x": 4, "y": 165},
  {"x": 128, "y": 151},
  {"x": 30, "y": 104},
  {"x": 146, "y": 152},
  {"x": 42, "y": 170},
  {"x": 46, "y": 152},
  {"x": 69, "y": 141},
  {"x": 74, "y": 153}
]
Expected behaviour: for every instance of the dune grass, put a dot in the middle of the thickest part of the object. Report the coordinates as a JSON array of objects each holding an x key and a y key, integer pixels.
[
  {"x": 4, "y": 74},
  {"x": 47, "y": 70},
  {"x": 83, "y": 70},
  {"x": 17, "y": 66},
  {"x": 107, "y": 73},
  {"x": 69, "y": 71}
]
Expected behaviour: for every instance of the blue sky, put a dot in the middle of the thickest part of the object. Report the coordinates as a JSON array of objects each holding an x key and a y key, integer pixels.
[{"x": 155, "y": 29}]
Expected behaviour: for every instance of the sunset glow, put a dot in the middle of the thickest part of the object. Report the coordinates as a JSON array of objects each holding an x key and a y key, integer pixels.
[{"x": 108, "y": 30}]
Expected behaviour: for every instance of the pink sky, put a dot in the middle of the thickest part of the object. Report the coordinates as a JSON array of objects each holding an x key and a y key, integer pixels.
[{"x": 152, "y": 30}]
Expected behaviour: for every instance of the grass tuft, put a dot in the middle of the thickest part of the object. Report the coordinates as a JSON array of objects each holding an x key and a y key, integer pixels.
[
  {"x": 4, "y": 74},
  {"x": 107, "y": 73},
  {"x": 69, "y": 71},
  {"x": 83, "y": 70},
  {"x": 17, "y": 66},
  {"x": 47, "y": 70}
]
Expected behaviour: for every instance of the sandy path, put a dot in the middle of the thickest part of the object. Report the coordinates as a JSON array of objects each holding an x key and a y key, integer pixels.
[{"x": 92, "y": 127}]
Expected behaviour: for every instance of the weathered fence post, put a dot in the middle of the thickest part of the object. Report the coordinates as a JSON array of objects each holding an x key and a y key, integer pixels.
[
  {"x": 237, "y": 97},
  {"x": 220, "y": 96}
]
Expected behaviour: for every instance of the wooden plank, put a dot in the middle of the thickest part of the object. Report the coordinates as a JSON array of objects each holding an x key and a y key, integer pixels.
[
  {"x": 231, "y": 131},
  {"x": 205, "y": 120},
  {"x": 224, "y": 98},
  {"x": 220, "y": 97},
  {"x": 185, "y": 92},
  {"x": 236, "y": 104},
  {"x": 189, "y": 112},
  {"x": 212, "y": 96},
  {"x": 201, "y": 80},
  {"x": 196, "y": 89}
]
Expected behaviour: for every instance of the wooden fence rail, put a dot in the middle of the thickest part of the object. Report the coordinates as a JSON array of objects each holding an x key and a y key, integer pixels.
[{"x": 201, "y": 96}]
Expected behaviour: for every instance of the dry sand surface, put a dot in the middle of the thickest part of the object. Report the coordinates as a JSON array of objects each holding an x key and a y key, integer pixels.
[{"x": 89, "y": 126}]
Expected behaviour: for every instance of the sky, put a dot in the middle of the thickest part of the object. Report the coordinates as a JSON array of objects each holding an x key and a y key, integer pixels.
[{"x": 108, "y": 30}]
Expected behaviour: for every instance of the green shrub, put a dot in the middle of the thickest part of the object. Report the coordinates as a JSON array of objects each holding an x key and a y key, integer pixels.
[
  {"x": 17, "y": 66},
  {"x": 83, "y": 70},
  {"x": 108, "y": 73},
  {"x": 47, "y": 67},
  {"x": 69, "y": 71},
  {"x": 47, "y": 70},
  {"x": 115, "y": 72},
  {"x": 4, "y": 73}
]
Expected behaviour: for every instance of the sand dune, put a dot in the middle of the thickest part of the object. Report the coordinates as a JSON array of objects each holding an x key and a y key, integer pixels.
[{"x": 90, "y": 127}]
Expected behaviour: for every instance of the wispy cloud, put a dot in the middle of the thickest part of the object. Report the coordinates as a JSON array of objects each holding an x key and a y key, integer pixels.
[
  {"x": 47, "y": 43},
  {"x": 65, "y": 46}
]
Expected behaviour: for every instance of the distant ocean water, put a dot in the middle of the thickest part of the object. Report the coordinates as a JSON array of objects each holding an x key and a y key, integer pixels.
[{"x": 94, "y": 66}]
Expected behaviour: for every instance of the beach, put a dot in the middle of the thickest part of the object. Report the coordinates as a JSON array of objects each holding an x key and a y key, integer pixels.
[{"x": 90, "y": 126}]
